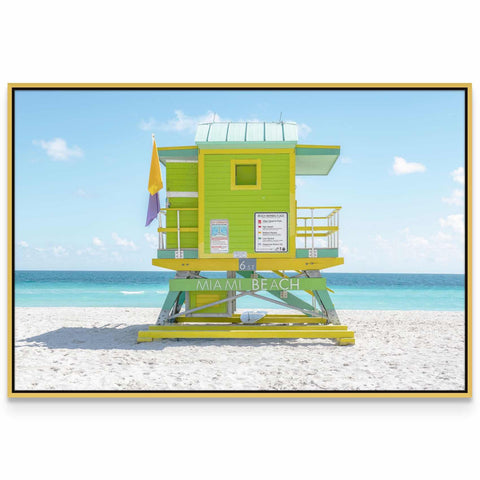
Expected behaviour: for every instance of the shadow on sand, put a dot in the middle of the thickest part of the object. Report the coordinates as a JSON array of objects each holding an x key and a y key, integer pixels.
[{"x": 125, "y": 338}]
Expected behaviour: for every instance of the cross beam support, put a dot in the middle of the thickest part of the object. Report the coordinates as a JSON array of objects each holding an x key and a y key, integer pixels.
[{"x": 175, "y": 322}]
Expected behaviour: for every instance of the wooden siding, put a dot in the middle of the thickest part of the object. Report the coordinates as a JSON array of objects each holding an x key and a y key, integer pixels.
[
  {"x": 239, "y": 206},
  {"x": 182, "y": 177}
]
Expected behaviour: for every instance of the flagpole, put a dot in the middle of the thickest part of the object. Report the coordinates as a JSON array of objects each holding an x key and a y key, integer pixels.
[{"x": 160, "y": 234}]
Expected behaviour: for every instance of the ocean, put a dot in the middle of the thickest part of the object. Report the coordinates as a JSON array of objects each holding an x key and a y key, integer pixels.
[{"x": 353, "y": 291}]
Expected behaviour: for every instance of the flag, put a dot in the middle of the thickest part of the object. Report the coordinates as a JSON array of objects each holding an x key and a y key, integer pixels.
[
  {"x": 155, "y": 182},
  {"x": 153, "y": 208}
]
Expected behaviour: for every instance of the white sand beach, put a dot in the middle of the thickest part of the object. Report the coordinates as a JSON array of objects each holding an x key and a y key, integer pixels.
[{"x": 96, "y": 349}]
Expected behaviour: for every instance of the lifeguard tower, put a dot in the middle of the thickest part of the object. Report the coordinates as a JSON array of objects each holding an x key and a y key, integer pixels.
[{"x": 231, "y": 208}]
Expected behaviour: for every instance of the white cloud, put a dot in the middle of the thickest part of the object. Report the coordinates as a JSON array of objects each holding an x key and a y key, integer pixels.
[
  {"x": 402, "y": 167},
  {"x": 455, "y": 222},
  {"x": 456, "y": 198},
  {"x": 303, "y": 130},
  {"x": 414, "y": 241},
  {"x": 81, "y": 193},
  {"x": 99, "y": 248},
  {"x": 82, "y": 252},
  {"x": 23, "y": 243},
  {"x": 458, "y": 175},
  {"x": 59, "y": 251},
  {"x": 180, "y": 123},
  {"x": 351, "y": 253},
  {"x": 123, "y": 242},
  {"x": 434, "y": 251},
  {"x": 383, "y": 245},
  {"x": 345, "y": 160},
  {"x": 58, "y": 150},
  {"x": 89, "y": 251},
  {"x": 152, "y": 239},
  {"x": 97, "y": 242}
]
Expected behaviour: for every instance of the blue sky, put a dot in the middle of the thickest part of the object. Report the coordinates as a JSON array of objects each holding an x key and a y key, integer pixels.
[{"x": 82, "y": 160}]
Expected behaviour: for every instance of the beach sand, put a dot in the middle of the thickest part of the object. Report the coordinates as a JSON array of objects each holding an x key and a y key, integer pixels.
[{"x": 96, "y": 349}]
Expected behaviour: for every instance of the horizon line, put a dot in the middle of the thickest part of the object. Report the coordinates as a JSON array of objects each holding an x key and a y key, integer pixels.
[{"x": 173, "y": 271}]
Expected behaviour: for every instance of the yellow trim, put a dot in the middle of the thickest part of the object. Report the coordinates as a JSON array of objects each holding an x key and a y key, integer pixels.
[
  {"x": 258, "y": 164},
  {"x": 249, "y": 255},
  {"x": 9, "y": 244},
  {"x": 315, "y": 235},
  {"x": 245, "y": 332},
  {"x": 220, "y": 264},
  {"x": 319, "y": 208},
  {"x": 279, "y": 394},
  {"x": 177, "y": 148},
  {"x": 469, "y": 239},
  {"x": 186, "y": 209},
  {"x": 292, "y": 247},
  {"x": 114, "y": 86},
  {"x": 201, "y": 203},
  {"x": 245, "y": 151},
  {"x": 174, "y": 229},
  {"x": 308, "y": 228}
]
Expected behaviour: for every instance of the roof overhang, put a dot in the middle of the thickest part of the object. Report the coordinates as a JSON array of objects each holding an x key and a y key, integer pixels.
[
  {"x": 315, "y": 159},
  {"x": 177, "y": 154}
]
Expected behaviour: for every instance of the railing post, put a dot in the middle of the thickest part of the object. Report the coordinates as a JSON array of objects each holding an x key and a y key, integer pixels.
[
  {"x": 305, "y": 231},
  {"x": 337, "y": 213},
  {"x": 313, "y": 235},
  {"x": 328, "y": 236},
  {"x": 178, "y": 232},
  {"x": 160, "y": 234}
]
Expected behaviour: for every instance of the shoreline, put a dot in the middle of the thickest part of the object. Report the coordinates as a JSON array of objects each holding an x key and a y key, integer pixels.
[
  {"x": 239, "y": 310},
  {"x": 94, "y": 348}
]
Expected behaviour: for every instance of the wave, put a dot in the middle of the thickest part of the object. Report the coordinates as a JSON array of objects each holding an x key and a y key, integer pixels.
[
  {"x": 126, "y": 292},
  {"x": 162, "y": 291}
]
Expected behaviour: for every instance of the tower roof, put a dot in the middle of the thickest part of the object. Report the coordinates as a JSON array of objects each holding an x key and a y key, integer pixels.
[{"x": 216, "y": 133}]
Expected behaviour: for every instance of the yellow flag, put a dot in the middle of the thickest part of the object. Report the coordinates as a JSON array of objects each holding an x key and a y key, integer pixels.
[{"x": 155, "y": 182}]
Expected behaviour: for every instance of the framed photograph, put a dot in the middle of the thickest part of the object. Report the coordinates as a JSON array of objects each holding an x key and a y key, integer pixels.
[{"x": 240, "y": 240}]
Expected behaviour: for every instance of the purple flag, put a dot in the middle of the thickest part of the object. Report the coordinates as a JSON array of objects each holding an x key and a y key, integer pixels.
[{"x": 153, "y": 208}]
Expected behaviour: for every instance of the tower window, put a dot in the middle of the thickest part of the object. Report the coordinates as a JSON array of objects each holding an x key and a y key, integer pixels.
[{"x": 246, "y": 175}]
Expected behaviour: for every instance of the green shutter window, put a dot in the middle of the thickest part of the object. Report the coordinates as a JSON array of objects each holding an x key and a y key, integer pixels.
[{"x": 246, "y": 175}]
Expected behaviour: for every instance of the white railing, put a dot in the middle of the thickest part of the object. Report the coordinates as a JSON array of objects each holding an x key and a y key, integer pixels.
[
  {"x": 314, "y": 225},
  {"x": 162, "y": 243}
]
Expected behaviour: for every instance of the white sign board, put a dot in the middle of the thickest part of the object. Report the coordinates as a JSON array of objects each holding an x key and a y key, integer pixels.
[
  {"x": 271, "y": 232},
  {"x": 218, "y": 236}
]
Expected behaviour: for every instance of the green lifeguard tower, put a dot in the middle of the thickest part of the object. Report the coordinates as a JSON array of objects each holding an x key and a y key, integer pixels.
[{"x": 231, "y": 208}]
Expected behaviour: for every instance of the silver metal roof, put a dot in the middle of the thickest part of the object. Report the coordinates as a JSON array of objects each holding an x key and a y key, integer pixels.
[{"x": 238, "y": 132}]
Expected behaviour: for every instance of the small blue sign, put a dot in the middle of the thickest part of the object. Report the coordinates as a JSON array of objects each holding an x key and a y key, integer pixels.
[{"x": 247, "y": 264}]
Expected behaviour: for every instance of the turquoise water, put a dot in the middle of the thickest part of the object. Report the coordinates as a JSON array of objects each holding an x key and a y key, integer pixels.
[{"x": 356, "y": 291}]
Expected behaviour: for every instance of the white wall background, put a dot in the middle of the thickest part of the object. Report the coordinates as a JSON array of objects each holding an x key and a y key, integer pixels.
[{"x": 216, "y": 41}]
